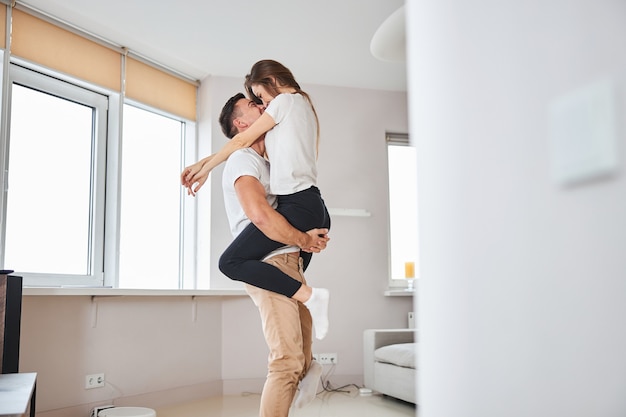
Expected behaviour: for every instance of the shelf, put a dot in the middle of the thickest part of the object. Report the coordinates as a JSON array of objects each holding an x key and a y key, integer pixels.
[
  {"x": 349, "y": 212},
  {"x": 399, "y": 292}
]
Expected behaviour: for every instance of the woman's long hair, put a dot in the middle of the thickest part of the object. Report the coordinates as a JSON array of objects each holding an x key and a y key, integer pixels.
[{"x": 271, "y": 75}]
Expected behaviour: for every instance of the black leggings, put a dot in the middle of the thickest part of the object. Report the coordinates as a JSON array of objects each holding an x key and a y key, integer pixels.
[{"x": 241, "y": 261}]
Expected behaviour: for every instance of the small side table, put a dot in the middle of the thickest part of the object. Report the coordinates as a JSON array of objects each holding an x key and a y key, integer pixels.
[{"x": 17, "y": 394}]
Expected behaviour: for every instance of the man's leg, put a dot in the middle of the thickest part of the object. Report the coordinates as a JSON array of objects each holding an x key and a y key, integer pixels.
[
  {"x": 282, "y": 328},
  {"x": 306, "y": 322},
  {"x": 309, "y": 383}
]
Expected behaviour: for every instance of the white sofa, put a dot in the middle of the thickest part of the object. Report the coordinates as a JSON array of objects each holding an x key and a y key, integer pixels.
[{"x": 390, "y": 358}]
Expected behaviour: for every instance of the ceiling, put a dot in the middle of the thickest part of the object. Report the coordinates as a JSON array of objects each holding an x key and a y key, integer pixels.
[{"x": 322, "y": 41}]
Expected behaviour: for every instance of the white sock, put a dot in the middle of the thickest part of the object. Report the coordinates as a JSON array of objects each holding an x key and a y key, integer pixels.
[
  {"x": 318, "y": 307},
  {"x": 308, "y": 385}
]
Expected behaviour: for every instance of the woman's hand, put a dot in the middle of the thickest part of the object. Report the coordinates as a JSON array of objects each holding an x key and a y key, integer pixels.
[
  {"x": 197, "y": 173},
  {"x": 189, "y": 172}
]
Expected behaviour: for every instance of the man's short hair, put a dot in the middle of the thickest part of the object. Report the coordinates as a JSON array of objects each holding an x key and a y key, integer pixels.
[{"x": 227, "y": 116}]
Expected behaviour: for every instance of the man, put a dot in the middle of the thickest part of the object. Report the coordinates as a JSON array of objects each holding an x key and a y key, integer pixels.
[{"x": 287, "y": 324}]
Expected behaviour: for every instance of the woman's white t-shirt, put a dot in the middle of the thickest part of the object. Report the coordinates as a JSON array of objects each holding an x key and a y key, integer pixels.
[{"x": 291, "y": 144}]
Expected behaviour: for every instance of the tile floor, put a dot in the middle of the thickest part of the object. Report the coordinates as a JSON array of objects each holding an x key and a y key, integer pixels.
[{"x": 327, "y": 404}]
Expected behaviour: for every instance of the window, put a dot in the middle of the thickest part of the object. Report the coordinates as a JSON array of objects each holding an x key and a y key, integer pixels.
[
  {"x": 150, "y": 200},
  {"x": 55, "y": 198},
  {"x": 402, "y": 162},
  {"x": 93, "y": 196}
]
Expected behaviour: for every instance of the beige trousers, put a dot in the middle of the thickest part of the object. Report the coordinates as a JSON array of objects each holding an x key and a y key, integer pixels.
[{"x": 287, "y": 327}]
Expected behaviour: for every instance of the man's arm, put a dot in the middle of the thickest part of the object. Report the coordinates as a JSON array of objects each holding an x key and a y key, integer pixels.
[{"x": 251, "y": 195}]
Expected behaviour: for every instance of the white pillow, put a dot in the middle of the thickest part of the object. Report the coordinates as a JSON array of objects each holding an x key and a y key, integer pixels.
[{"x": 400, "y": 354}]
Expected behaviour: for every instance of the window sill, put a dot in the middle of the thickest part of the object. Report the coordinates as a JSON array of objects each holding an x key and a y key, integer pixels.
[{"x": 119, "y": 292}]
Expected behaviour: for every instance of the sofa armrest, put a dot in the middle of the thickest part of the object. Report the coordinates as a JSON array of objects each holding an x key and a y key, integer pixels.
[{"x": 376, "y": 338}]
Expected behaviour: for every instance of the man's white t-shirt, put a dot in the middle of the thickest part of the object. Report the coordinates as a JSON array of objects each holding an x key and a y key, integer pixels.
[
  {"x": 246, "y": 162},
  {"x": 291, "y": 145}
]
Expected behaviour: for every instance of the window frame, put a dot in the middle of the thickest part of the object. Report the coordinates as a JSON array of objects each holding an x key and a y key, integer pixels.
[
  {"x": 397, "y": 139},
  {"x": 50, "y": 85},
  {"x": 105, "y": 269},
  {"x": 187, "y": 279}
]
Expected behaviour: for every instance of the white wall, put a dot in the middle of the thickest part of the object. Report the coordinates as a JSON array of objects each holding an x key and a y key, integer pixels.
[
  {"x": 153, "y": 350},
  {"x": 521, "y": 304}
]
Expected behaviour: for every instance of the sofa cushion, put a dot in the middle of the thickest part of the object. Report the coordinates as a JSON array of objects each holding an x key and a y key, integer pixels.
[{"x": 400, "y": 354}]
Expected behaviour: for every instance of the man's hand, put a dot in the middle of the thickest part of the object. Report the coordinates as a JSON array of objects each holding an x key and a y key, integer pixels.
[{"x": 318, "y": 238}]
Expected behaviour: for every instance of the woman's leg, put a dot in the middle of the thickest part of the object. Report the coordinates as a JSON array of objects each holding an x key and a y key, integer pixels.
[
  {"x": 241, "y": 261},
  {"x": 305, "y": 210}
]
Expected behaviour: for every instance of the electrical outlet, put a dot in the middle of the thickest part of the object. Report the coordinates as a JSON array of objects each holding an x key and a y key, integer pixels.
[
  {"x": 326, "y": 358},
  {"x": 94, "y": 381}
]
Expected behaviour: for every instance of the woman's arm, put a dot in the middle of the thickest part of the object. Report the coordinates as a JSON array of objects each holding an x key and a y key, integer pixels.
[{"x": 241, "y": 140}]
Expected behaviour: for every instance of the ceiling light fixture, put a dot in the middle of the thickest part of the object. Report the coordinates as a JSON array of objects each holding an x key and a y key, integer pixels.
[{"x": 389, "y": 41}]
